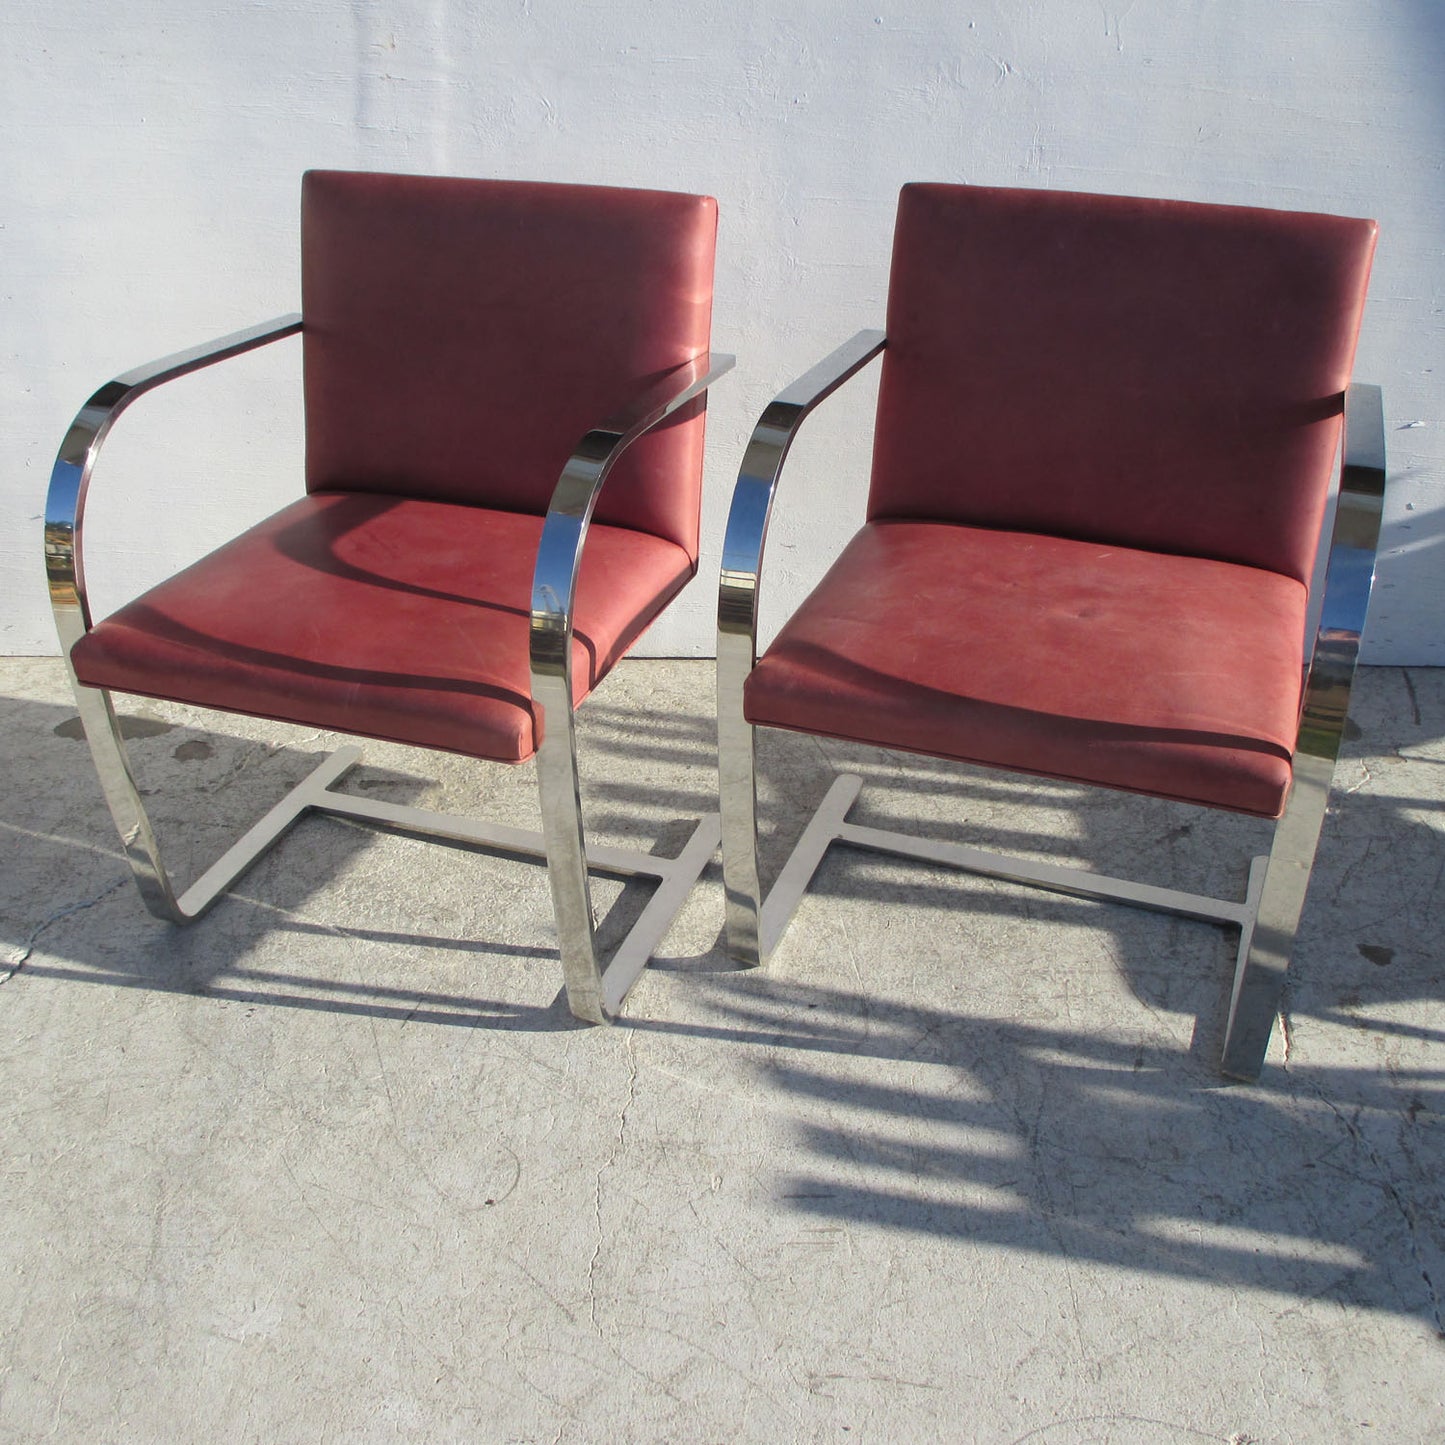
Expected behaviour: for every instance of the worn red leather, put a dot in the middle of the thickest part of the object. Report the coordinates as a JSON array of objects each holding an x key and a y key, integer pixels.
[
  {"x": 388, "y": 617},
  {"x": 1105, "y": 439},
  {"x": 460, "y": 338},
  {"x": 462, "y": 335},
  {"x": 1159, "y": 674},
  {"x": 1156, "y": 374}
]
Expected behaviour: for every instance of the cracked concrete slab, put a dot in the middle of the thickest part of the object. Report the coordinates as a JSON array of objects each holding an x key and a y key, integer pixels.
[{"x": 335, "y": 1164}]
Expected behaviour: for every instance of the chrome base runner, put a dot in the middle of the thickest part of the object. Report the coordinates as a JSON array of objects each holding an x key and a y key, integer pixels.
[
  {"x": 676, "y": 876},
  {"x": 829, "y": 825},
  {"x": 594, "y": 993}
]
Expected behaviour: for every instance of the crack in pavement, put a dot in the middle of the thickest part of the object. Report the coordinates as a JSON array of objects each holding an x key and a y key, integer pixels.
[
  {"x": 21, "y": 956},
  {"x": 1396, "y": 1198},
  {"x": 609, "y": 1163}
]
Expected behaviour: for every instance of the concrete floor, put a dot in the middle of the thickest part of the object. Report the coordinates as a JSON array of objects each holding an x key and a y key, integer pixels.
[{"x": 336, "y": 1165}]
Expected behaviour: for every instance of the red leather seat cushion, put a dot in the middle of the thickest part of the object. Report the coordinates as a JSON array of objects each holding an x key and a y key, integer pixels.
[
  {"x": 1176, "y": 676},
  {"x": 388, "y": 617}
]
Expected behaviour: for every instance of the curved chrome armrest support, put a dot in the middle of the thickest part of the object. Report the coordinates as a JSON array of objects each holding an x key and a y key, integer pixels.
[
  {"x": 70, "y": 477},
  {"x": 1268, "y": 939},
  {"x": 559, "y": 553},
  {"x": 750, "y": 937},
  {"x": 752, "y": 504},
  {"x": 1349, "y": 575},
  {"x": 554, "y": 588}
]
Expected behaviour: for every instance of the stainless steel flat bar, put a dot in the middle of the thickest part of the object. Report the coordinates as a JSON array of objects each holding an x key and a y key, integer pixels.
[
  {"x": 309, "y": 793},
  {"x": 678, "y": 879},
  {"x": 1258, "y": 867},
  {"x": 737, "y": 637},
  {"x": 676, "y": 876},
  {"x": 1056, "y": 879},
  {"x": 526, "y": 842},
  {"x": 448, "y": 826},
  {"x": 823, "y": 829}
]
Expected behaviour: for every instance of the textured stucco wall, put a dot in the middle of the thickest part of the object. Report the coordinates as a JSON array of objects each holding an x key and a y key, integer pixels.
[{"x": 152, "y": 157}]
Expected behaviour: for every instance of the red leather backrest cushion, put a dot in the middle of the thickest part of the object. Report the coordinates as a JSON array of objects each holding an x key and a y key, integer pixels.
[
  {"x": 462, "y": 335},
  {"x": 1159, "y": 374}
]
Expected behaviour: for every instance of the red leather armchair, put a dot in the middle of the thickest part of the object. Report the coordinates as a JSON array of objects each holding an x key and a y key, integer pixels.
[
  {"x": 480, "y": 357},
  {"x": 1103, "y": 450}
]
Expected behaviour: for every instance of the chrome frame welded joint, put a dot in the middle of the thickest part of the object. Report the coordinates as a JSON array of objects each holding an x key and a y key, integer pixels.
[
  {"x": 593, "y": 994},
  {"x": 1268, "y": 916}
]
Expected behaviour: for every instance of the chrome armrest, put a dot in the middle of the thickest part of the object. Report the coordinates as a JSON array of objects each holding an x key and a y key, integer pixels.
[
  {"x": 752, "y": 504},
  {"x": 564, "y": 532},
  {"x": 1349, "y": 574},
  {"x": 70, "y": 476}
]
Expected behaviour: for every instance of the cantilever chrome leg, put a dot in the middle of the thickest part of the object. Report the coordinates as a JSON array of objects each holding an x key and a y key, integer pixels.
[
  {"x": 738, "y": 799},
  {"x": 1260, "y": 973},
  {"x": 1264, "y": 950},
  {"x": 107, "y": 748},
  {"x": 1267, "y": 917},
  {"x": 592, "y": 994},
  {"x": 1324, "y": 708},
  {"x": 749, "y": 938},
  {"x": 829, "y": 825},
  {"x": 122, "y": 797},
  {"x": 567, "y": 858}
]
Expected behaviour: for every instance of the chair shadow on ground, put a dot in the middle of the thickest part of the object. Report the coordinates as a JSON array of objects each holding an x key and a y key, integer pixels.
[
  {"x": 72, "y": 862},
  {"x": 1111, "y": 1143},
  {"x": 1324, "y": 1184},
  {"x": 1113, "y": 1146},
  {"x": 1369, "y": 936}
]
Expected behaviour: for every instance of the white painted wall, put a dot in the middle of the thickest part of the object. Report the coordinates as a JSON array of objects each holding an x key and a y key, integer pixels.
[{"x": 152, "y": 155}]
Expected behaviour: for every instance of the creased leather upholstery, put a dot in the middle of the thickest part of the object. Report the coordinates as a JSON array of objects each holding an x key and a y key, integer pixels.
[
  {"x": 460, "y": 337},
  {"x": 1156, "y": 374},
  {"x": 1105, "y": 439},
  {"x": 1139, "y": 670},
  {"x": 390, "y": 617}
]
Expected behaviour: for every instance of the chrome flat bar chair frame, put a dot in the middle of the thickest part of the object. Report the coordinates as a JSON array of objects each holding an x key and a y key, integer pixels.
[
  {"x": 593, "y": 994},
  {"x": 1268, "y": 917}
]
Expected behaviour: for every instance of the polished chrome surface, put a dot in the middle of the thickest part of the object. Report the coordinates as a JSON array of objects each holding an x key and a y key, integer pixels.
[
  {"x": 590, "y": 995},
  {"x": 102, "y": 732},
  {"x": 829, "y": 824},
  {"x": 65, "y": 573},
  {"x": 1051, "y": 877},
  {"x": 737, "y": 630},
  {"x": 676, "y": 876},
  {"x": 797, "y": 873},
  {"x": 70, "y": 477},
  {"x": 656, "y": 918},
  {"x": 1260, "y": 975},
  {"x": 564, "y": 533},
  {"x": 554, "y": 587},
  {"x": 122, "y": 797}
]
